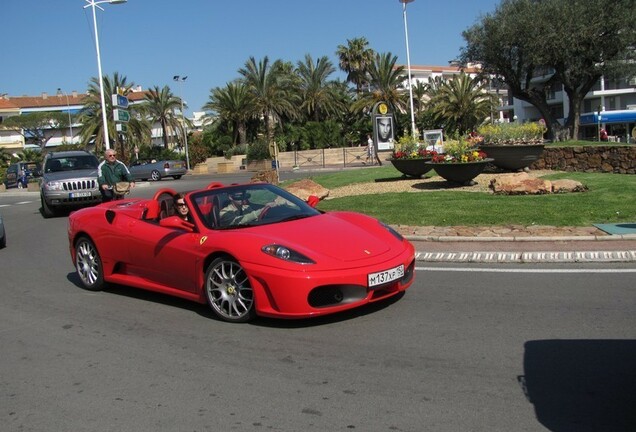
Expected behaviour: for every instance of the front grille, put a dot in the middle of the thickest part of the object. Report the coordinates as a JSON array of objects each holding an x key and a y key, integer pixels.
[{"x": 76, "y": 185}]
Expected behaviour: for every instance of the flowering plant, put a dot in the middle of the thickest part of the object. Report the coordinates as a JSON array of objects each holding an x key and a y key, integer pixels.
[
  {"x": 459, "y": 151},
  {"x": 408, "y": 148},
  {"x": 511, "y": 133}
]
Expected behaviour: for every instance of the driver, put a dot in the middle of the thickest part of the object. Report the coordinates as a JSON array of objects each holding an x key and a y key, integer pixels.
[{"x": 240, "y": 211}]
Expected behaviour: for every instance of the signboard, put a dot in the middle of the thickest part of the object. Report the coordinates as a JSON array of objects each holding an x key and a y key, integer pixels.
[
  {"x": 121, "y": 127},
  {"x": 120, "y": 115},
  {"x": 120, "y": 101},
  {"x": 383, "y": 127}
]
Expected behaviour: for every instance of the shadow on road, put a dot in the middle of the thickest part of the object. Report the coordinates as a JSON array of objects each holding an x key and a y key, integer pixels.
[{"x": 582, "y": 385}]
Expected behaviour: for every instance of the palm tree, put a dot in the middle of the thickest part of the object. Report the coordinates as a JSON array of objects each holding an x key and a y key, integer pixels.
[
  {"x": 160, "y": 105},
  {"x": 90, "y": 115},
  {"x": 233, "y": 103},
  {"x": 386, "y": 80},
  {"x": 355, "y": 59},
  {"x": 318, "y": 94},
  {"x": 461, "y": 104},
  {"x": 272, "y": 91}
]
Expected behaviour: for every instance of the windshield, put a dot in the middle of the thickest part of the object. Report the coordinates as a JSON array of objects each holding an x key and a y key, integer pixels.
[
  {"x": 249, "y": 205},
  {"x": 71, "y": 163}
]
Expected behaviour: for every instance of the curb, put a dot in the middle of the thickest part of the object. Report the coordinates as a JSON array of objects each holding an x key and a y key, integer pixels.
[
  {"x": 528, "y": 257},
  {"x": 520, "y": 239}
]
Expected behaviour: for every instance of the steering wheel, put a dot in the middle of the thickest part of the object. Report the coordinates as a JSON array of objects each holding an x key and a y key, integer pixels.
[{"x": 264, "y": 211}]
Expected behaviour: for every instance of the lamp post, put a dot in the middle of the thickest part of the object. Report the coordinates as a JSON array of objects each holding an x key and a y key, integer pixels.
[
  {"x": 93, "y": 4},
  {"x": 68, "y": 108},
  {"x": 181, "y": 79},
  {"x": 408, "y": 63}
]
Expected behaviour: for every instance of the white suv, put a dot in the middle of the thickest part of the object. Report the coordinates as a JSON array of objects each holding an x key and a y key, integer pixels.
[{"x": 69, "y": 180}]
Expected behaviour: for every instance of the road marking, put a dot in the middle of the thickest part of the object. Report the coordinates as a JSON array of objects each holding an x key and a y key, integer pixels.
[{"x": 522, "y": 270}]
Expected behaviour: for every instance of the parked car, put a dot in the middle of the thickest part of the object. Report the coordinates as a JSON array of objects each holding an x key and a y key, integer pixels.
[
  {"x": 15, "y": 172},
  {"x": 3, "y": 234},
  {"x": 156, "y": 170},
  {"x": 283, "y": 258},
  {"x": 69, "y": 181}
]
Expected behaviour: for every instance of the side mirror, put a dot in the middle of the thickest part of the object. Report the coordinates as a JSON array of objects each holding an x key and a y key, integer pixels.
[
  {"x": 176, "y": 222},
  {"x": 313, "y": 201}
]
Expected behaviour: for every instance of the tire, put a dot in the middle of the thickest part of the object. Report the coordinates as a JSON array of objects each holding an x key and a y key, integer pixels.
[
  {"x": 228, "y": 291},
  {"x": 155, "y": 176},
  {"x": 47, "y": 211},
  {"x": 88, "y": 264},
  {"x": 176, "y": 177}
]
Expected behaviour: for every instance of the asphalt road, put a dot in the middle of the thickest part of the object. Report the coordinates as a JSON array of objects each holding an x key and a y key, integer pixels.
[{"x": 472, "y": 348}]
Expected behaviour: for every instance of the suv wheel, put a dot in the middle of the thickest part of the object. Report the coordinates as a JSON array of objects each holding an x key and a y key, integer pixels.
[{"x": 47, "y": 211}]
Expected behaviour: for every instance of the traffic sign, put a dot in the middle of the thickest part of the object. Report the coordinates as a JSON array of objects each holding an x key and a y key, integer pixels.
[
  {"x": 120, "y": 115},
  {"x": 122, "y": 127},
  {"x": 120, "y": 101}
]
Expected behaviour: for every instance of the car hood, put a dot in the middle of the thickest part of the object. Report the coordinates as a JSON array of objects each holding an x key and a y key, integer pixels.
[
  {"x": 342, "y": 236},
  {"x": 66, "y": 175}
]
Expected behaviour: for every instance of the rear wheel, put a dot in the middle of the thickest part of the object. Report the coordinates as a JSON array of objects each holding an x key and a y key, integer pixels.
[
  {"x": 176, "y": 177},
  {"x": 88, "y": 264},
  {"x": 155, "y": 175},
  {"x": 228, "y": 291}
]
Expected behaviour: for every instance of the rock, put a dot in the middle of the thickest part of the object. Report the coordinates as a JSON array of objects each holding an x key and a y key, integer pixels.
[
  {"x": 567, "y": 185},
  {"x": 268, "y": 176},
  {"x": 304, "y": 188},
  {"x": 520, "y": 184}
]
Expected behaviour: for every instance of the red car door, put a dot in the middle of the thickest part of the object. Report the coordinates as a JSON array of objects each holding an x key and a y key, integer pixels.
[{"x": 165, "y": 256}]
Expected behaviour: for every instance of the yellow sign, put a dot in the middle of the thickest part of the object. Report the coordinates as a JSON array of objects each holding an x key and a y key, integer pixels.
[{"x": 383, "y": 108}]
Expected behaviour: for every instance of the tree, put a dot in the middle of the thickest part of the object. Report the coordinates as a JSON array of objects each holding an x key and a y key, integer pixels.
[
  {"x": 272, "y": 91},
  {"x": 576, "y": 42},
  {"x": 461, "y": 104},
  {"x": 386, "y": 80},
  {"x": 90, "y": 116},
  {"x": 355, "y": 59},
  {"x": 319, "y": 96},
  {"x": 233, "y": 103},
  {"x": 160, "y": 106},
  {"x": 33, "y": 125}
]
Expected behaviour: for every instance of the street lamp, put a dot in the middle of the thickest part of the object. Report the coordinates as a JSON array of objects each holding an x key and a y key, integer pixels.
[
  {"x": 93, "y": 4},
  {"x": 68, "y": 107},
  {"x": 408, "y": 63},
  {"x": 181, "y": 79}
]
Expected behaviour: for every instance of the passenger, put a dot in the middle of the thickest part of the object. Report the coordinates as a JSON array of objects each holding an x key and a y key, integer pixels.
[
  {"x": 110, "y": 172},
  {"x": 182, "y": 208}
]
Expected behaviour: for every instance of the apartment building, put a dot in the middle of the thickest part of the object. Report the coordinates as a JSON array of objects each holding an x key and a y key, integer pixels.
[{"x": 67, "y": 103}]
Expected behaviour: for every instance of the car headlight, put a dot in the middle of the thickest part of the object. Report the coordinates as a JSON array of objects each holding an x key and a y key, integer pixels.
[
  {"x": 396, "y": 234},
  {"x": 53, "y": 186},
  {"x": 286, "y": 254}
]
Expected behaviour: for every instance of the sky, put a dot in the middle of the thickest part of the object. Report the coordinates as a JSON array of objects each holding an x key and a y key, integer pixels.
[{"x": 50, "y": 44}]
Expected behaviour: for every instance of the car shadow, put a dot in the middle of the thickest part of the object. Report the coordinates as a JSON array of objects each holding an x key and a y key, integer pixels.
[
  {"x": 581, "y": 385},
  {"x": 205, "y": 311}
]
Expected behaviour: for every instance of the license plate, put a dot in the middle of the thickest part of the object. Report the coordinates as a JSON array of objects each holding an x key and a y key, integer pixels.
[
  {"x": 79, "y": 194},
  {"x": 386, "y": 276},
  {"x": 178, "y": 166}
]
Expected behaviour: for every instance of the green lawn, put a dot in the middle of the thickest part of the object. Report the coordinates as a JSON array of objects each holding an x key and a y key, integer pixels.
[{"x": 611, "y": 198}]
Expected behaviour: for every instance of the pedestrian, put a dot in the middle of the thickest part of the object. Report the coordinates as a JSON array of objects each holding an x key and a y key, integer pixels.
[
  {"x": 370, "y": 149},
  {"x": 110, "y": 172}
]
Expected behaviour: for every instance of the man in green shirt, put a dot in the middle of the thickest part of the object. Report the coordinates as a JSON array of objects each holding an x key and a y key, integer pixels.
[{"x": 110, "y": 172}]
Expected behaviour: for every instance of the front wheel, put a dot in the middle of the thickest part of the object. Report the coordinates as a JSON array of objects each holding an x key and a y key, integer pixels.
[
  {"x": 228, "y": 291},
  {"x": 88, "y": 264},
  {"x": 155, "y": 175}
]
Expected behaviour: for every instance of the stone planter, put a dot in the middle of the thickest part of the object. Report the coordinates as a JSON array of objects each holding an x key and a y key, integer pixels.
[
  {"x": 260, "y": 165},
  {"x": 33, "y": 187},
  {"x": 461, "y": 173},
  {"x": 412, "y": 167},
  {"x": 225, "y": 167},
  {"x": 513, "y": 157}
]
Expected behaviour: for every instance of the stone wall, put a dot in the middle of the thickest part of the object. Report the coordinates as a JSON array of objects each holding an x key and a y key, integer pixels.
[{"x": 608, "y": 159}]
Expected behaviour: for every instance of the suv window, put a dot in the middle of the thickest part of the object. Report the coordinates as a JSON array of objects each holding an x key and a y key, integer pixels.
[{"x": 71, "y": 163}]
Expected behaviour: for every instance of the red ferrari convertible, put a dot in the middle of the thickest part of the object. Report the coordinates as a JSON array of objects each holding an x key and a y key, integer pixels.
[{"x": 248, "y": 250}]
